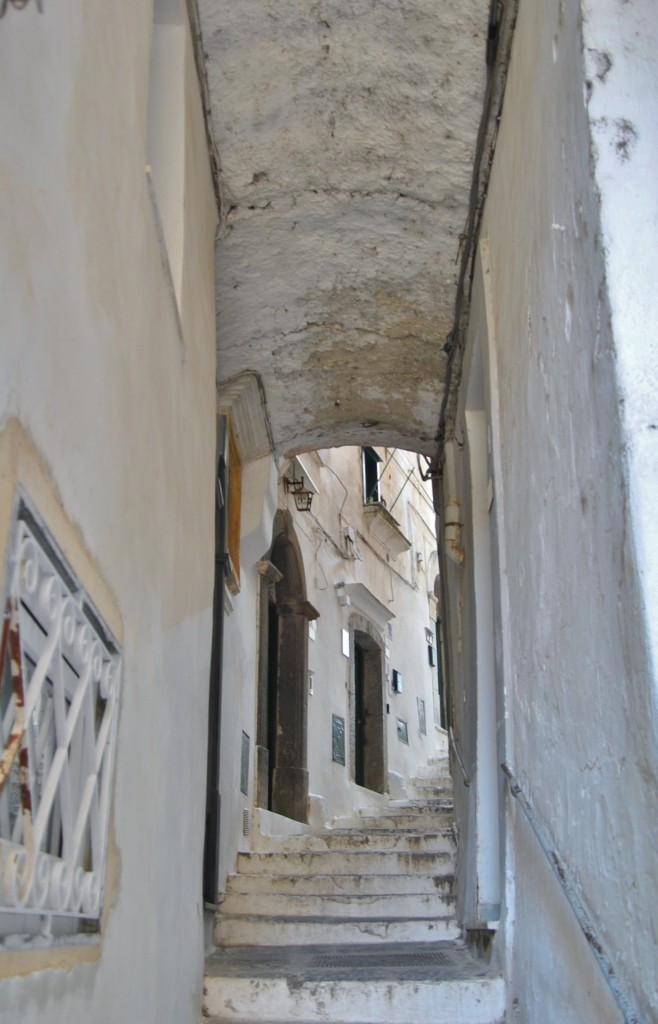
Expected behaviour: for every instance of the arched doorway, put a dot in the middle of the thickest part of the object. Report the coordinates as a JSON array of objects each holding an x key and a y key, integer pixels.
[{"x": 282, "y": 784}]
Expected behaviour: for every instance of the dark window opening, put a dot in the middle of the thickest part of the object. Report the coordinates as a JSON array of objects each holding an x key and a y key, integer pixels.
[{"x": 370, "y": 461}]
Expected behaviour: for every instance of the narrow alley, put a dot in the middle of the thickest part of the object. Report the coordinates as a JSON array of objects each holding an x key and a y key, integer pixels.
[{"x": 329, "y": 473}]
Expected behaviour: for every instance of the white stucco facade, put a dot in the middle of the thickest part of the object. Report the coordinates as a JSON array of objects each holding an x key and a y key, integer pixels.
[
  {"x": 356, "y": 578},
  {"x": 107, "y": 423},
  {"x": 562, "y": 320}
]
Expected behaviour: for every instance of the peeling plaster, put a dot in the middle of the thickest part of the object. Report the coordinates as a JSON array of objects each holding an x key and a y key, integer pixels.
[{"x": 347, "y": 136}]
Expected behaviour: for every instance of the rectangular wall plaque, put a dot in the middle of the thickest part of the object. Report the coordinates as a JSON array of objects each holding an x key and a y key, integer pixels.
[
  {"x": 422, "y": 721},
  {"x": 338, "y": 739},
  {"x": 244, "y": 765}
]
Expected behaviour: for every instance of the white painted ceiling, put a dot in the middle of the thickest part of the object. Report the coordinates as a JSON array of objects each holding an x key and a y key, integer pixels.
[{"x": 346, "y": 134}]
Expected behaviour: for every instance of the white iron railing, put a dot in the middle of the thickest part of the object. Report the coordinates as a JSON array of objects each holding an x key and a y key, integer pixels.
[{"x": 59, "y": 683}]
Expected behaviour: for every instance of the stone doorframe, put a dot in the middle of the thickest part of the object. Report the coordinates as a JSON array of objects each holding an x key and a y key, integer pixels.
[
  {"x": 283, "y": 584},
  {"x": 363, "y": 633}
]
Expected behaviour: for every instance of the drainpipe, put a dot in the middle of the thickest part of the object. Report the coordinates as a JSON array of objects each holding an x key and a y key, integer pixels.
[
  {"x": 222, "y": 569},
  {"x": 452, "y": 527},
  {"x": 439, "y": 490}
]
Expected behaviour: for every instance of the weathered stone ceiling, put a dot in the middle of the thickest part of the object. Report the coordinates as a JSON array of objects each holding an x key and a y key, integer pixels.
[{"x": 346, "y": 133}]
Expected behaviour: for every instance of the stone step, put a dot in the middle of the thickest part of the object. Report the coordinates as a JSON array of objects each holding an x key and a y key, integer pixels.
[
  {"x": 434, "y": 771},
  {"x": 429, "y": 983},
  {"x": 399, "y": 1002},
  {"x": 409, "y": 805},
  {"x": 435, "y": 784},
  {"x": 266, "y": 930},
  {"x": 341, "y": 885},
  {"x": 341, "y": 841},
  {"x": 423, "y": 790},
  {"x": 379, "y": 905},
  {"x": 326, "y": 862},
  {"x": 431, "y": 822}
]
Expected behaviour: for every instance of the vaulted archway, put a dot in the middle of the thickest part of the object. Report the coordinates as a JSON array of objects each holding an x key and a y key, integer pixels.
[{"x": 346, "y": 187}]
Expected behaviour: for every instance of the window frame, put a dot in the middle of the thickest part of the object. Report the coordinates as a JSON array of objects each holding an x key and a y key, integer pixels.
[
  {"x": 370, "y": 461},
  {"x": 60, "y": 676}
]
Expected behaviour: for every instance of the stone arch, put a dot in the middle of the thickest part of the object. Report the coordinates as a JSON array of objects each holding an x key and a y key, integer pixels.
[
  {"x": 282, "y": 784},
  {"x": 332, "y": 433}
]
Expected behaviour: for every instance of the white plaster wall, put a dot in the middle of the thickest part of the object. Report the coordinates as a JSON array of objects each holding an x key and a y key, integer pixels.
[
  {"x": 573, "y": 325},
  {"x": 621, "y": 84},
  {"x": 459, "y": 612},
  {"x": 397, "y": 583},
  {"x": 240, "y": 662},
  {"x": 239, "y": 681},
  {"x": 564, "y": 983},
  {"x": 121, "y": 409}
]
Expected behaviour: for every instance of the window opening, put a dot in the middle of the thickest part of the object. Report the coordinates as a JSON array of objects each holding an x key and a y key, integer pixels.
[
  {"x": 370, "y": 466},
  {"x": 60, "y": 672}
]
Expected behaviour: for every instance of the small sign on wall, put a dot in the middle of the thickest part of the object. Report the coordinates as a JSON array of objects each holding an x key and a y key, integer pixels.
[
  {"x": 338, "y": 739},
  {"x": 422, "y": 721},
  {"x": 345, "y": 641},
  {"x": 244, "y": 765}
]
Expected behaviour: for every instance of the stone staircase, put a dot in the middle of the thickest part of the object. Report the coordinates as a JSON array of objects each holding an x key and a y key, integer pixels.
[{"x": 352, "y": 925}]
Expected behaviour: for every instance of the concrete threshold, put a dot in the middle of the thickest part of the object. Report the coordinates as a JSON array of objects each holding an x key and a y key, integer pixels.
[
  {"x": 400, "y": 983},
  {"x": 396, "y": 961}
]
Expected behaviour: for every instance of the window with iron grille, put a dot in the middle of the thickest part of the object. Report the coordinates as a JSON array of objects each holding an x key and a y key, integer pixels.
[{"x": 60, "y": 671}]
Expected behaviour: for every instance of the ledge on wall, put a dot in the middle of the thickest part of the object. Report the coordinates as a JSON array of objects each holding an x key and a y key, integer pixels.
[
  {"x": 362, "y": 600},
  {"x": 386, "y": 528},
  {"x": 243, "y": 398}
]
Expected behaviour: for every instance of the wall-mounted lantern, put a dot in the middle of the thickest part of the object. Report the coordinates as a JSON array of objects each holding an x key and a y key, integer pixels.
[
  {"x": 19, "y": 5},
  {"x": 302, "y": 495}
]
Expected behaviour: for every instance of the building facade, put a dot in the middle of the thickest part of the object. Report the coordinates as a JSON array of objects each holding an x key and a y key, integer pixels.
[
  {"x": 141, "y": 505},
  {"x": 333, "y": 632}
]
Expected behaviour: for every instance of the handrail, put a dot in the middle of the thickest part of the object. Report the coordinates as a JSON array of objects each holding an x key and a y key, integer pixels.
[
  {"x": 629, "y": 1014},
  {"x": 455, "y": 749}
]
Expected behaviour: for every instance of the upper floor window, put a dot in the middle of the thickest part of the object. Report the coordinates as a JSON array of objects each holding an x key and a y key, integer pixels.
[{"x": 370, "y": 461}]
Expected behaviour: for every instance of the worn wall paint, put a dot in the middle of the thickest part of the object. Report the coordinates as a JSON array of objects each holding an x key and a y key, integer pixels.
[
  {"x": 346, "y": 134},
  {"x": 621, "y": 82},
  {"x": 571, "y": 347},
  {"x": 564, "y": 983},
  {"x": 120, "y": 407}
]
